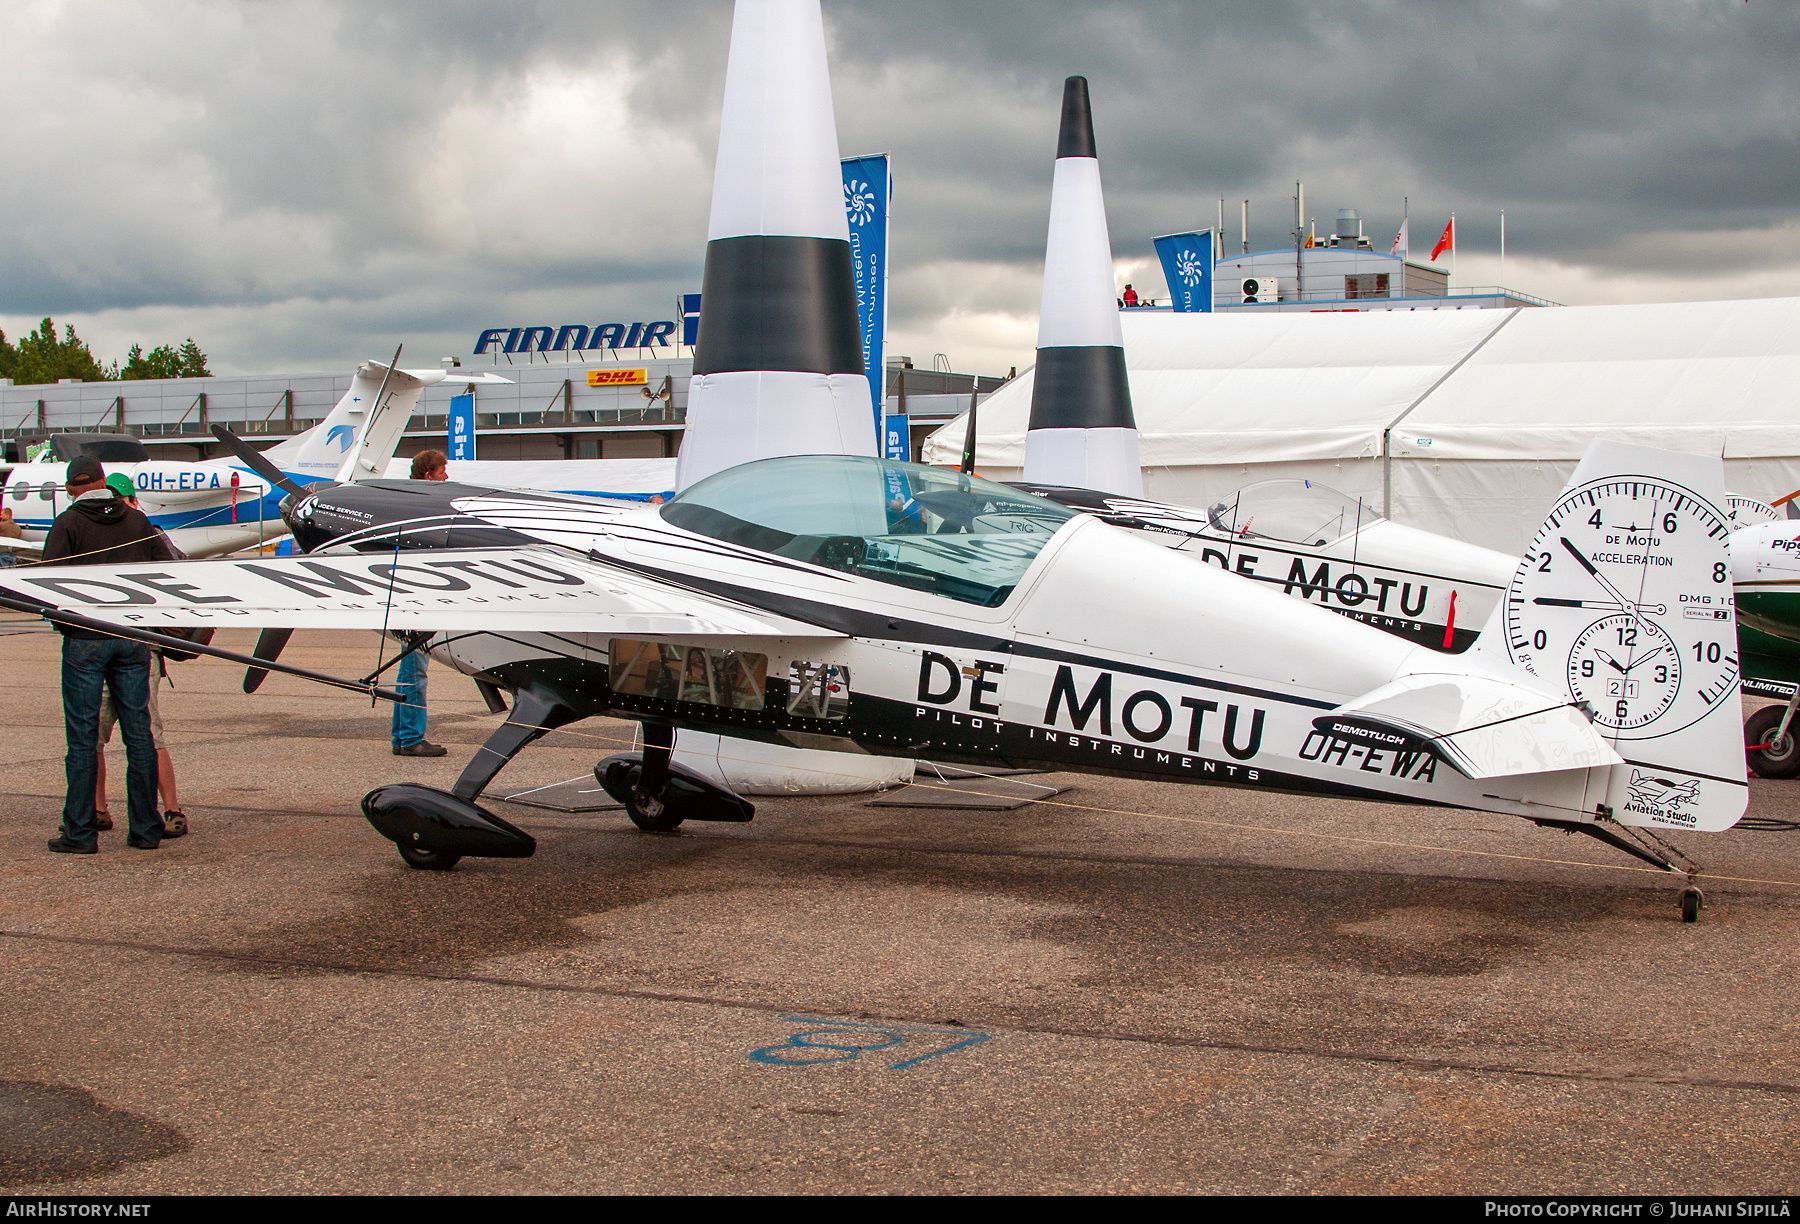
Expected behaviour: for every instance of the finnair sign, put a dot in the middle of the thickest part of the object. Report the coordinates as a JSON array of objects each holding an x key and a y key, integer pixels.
[{"x": 575, "y": 337}]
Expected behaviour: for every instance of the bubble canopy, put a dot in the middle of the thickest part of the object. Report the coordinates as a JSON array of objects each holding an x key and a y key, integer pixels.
[
  {"x": 926, "y": 528},
  {"x": 1293, "y": 511}
]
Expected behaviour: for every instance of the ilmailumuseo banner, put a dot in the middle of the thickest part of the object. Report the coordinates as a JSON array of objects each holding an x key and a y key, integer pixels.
[
  {"x": 461, "y": 441},
  {"x": 868, "y": 191},
  {"x": 1187, "y": 261}
]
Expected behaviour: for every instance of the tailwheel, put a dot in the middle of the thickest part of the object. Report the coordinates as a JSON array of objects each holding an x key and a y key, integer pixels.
[
  {"x": 1772, "y": 752},
  {"x": 1692, "y": 902},
  {"x": 427, "y": 860}
]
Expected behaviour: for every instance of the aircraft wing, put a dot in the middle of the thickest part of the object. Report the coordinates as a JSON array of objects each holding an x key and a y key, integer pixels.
[
  {"x": 519, "y": 590},
  {"x": 1484, "y": 726}
]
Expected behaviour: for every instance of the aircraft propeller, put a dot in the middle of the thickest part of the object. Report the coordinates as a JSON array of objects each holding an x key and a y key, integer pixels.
[
  {"x": 252, "y": 458},
  {"x": 269, "y": 645}
]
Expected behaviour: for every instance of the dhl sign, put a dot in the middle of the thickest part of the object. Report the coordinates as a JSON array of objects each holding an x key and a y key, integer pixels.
[{"x": 618, "y": 378}]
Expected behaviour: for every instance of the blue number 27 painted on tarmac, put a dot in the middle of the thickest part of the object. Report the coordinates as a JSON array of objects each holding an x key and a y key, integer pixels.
[{"x": 841, "y": 1041}]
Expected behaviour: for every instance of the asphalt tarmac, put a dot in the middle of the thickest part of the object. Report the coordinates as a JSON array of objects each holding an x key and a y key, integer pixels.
[{"x": 1133, "y": 987}]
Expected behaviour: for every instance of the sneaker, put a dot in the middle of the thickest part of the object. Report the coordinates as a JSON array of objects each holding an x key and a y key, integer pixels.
[
  {"x": 137, "y": 845},
  {"x": 424, "y": 748},
  {"x": 62, "y": 845},
  {"x": 174, "y": 823},
  {"x": 102, "y": 819}
]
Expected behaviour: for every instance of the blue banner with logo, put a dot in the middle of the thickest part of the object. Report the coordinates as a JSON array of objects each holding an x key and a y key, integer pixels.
[
  {"x": 690, "y": 319},
  {"x": 462, "y": 427},
  {"x": 868, "y": 190},
  {"x": 1187, "y": 262},
  {"x": 896, "y": 438}
]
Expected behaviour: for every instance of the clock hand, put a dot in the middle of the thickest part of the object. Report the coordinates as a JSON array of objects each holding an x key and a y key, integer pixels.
[
  {"x": 1601, "y": 605},
  {"x": 1647, "y": 657},
  {"x": 1598, "y": 605},
  {"x": 1610, "y": 661},
  {"x": 1627, "y": 605}
]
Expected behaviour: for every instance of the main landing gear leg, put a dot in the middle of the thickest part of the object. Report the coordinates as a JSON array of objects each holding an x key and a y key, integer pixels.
[
  {"x": 531, "y": 719},
  {"x": 433, "y": 829}
]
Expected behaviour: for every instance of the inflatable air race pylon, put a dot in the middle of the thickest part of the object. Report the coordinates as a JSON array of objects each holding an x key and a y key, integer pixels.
[
  {"x": 778, "y": 366},
  {"x": 1082, "y": 432}
]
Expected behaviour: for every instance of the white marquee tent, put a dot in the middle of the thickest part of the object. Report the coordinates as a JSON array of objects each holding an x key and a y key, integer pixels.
[{"x": 1465, "y": 422}]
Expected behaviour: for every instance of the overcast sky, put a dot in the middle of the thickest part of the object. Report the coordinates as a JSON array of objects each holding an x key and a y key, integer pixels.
[{"x": 300, "y": 186}]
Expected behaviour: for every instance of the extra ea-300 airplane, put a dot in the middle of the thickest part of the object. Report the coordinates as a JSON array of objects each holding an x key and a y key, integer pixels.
[{"x": 862, "y": 605}]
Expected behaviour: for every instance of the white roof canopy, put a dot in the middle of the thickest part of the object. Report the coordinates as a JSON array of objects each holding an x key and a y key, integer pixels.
[{"x": 1719, "y": 378}]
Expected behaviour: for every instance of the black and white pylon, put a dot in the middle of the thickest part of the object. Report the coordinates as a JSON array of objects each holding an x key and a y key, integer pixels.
[
  {"x": 1082, "y": 431},
  {"x": 778, "y": 366}
]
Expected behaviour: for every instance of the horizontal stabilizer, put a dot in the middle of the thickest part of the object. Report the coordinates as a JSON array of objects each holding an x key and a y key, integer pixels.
[{"x": 1482, "y": 726}]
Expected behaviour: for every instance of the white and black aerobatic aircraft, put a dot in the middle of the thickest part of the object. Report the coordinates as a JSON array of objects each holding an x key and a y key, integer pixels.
[{"x": 797, "y": 601}]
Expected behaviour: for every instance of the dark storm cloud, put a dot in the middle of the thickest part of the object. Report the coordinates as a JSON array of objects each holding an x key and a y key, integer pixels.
[
  {"x": 1582, "y": 119},
  {"x": 442, "y": 162}
]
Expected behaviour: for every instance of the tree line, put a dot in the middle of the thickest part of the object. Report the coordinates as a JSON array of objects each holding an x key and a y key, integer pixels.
[{"x": 41, "y": 357}]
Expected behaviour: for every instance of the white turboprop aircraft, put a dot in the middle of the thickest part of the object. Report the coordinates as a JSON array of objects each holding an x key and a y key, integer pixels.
[
  {"x": 221, "y": 505},
  {"x": 790, "y": 601}
]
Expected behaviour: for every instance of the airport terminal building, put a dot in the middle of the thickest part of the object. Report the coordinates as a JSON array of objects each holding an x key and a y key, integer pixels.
[{"x": 598, "y": 403}]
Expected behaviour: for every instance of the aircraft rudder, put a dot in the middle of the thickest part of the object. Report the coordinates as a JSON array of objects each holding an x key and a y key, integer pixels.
[{"x": 1624, "y": 600}]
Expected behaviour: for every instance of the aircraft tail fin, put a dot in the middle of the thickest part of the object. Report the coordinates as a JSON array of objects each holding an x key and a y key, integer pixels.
[
  {"x": 348, "y": 444},
  {"x": 1624, "y": 601},
  {"x": 394, "y": 394}
]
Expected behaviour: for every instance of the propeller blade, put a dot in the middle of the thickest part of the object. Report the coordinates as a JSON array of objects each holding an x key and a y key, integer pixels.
[
  {"x": 251, "y": 458},
  {"x": 269, "y": 645},
  {"x": 968, "y": 458}
]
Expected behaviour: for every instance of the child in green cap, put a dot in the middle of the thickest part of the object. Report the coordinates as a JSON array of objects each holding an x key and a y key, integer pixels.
[{"x": 174, "y": 819}]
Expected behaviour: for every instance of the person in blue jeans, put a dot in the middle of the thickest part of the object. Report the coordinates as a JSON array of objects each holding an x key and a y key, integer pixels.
[
  {"x": 99, "y": 528},
  {"x": 408, "y": 728},
  {"x": 122, "y": 669}
]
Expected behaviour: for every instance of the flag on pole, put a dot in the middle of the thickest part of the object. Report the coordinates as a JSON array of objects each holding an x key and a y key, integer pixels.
[
  {"x": 1446, "y": 241},
  {"x": 1402, "y": 240}
]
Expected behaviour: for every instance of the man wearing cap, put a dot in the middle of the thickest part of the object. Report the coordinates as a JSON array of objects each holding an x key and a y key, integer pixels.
[{"x": 100, "y": 529}]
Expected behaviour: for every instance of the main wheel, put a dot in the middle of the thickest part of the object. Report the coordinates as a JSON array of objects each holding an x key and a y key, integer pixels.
[
  {"x": 1691, "y": 901},
  {"x": 660, "y": 823},
  {"x": 427, "y": 860},
  {"x": 619, "y": 776},
  {"x": 1781, "y": 759}
]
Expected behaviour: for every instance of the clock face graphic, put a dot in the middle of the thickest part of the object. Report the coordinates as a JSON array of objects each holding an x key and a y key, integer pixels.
[
  {"x": 1625, "y": 695},
  {"x": 1625, "y": 594}
]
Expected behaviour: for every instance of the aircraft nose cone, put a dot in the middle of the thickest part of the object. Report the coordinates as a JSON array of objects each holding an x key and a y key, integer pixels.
[
  {"x": 297, "y": 509},
  {"x": 290, "y": 507}
]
